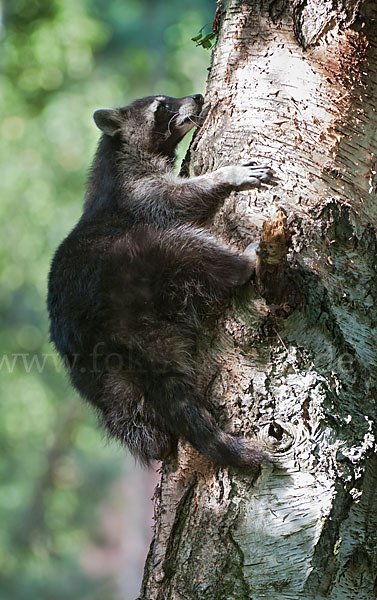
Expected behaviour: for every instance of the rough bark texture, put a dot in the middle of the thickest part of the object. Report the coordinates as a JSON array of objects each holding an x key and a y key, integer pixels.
[{"x": 292, "y": 85}]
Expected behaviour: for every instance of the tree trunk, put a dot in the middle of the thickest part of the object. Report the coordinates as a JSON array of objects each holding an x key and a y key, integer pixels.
[{"x": 292, "y": 85}]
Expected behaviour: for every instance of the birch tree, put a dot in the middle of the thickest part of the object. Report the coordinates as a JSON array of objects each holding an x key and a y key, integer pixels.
[{"x": 293, "y": 84}]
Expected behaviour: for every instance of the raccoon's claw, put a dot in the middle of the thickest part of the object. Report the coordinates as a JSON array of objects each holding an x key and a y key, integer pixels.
[{"x": 263, "y": 173}]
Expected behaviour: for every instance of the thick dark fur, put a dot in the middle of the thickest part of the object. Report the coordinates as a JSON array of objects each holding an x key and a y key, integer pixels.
[{"x": 130, "y": 285}]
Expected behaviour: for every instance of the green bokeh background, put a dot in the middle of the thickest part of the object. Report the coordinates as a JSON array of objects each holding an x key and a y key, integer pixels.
[{"x": 60, "y": 60}]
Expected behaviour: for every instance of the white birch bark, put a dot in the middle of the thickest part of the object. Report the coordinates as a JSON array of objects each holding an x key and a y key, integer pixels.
[{"x": 292, "y": 85}]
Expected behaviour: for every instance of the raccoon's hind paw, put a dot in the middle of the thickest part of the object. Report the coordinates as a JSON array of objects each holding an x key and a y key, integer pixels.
[{"x": 254, "y": 454}]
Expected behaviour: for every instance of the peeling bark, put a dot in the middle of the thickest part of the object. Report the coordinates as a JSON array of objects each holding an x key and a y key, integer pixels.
[{"x": 294, "y": 85}]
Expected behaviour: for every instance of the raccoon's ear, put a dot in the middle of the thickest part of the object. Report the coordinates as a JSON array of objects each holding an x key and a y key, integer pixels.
[{"x": 107, "y": 120}]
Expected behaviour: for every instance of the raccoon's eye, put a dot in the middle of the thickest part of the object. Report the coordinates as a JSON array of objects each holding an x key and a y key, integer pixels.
[{"x": 161, "y": 107}]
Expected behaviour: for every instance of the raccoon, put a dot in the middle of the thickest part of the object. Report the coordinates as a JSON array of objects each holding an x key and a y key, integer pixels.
[{"x": 131, "y": 284}]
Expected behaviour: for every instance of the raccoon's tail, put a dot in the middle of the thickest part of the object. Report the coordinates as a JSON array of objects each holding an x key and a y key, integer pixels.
[{"x": 184, "y": 415}]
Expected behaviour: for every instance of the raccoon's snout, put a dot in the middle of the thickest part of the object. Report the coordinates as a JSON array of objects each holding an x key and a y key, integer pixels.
[{"x": 190, "y": 110}]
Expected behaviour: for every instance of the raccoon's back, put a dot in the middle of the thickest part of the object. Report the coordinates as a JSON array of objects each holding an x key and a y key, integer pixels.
[{"x": 76, "y": 304}]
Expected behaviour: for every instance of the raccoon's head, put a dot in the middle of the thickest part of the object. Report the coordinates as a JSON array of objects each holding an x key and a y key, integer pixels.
[{"x": 155, "y": 123}]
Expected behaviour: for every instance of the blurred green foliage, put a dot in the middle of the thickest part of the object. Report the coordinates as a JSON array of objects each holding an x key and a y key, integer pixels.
[{"x": 60, "y": 60}]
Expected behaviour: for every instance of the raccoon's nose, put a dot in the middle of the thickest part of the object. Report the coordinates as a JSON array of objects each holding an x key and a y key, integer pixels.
[{"x": 198, "y": 98}]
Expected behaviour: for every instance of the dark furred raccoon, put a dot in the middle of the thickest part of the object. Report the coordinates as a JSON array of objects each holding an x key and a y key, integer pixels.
[{"x": 129, "y": 286}]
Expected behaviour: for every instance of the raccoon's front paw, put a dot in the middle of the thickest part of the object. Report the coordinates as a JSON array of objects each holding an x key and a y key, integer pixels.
[
  {"x": 250, "y": 175},
  {"x": 203, "y": 114}
]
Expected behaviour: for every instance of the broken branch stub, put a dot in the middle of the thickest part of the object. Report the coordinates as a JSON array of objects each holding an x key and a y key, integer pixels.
[{"x": 273, "y": 280}]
